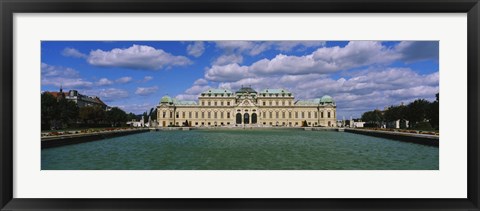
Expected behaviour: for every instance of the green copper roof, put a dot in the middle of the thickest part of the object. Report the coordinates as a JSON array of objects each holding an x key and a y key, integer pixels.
[
  {"x": 246, "y": 90},
  {"x": 326, "y": 99},
  {"x": 275, "y": 91},
  {"x": 306, "y": 102},
  {"x": 166, "y": 99},
  {"x": 217, "y": 91},
  {"x": 185, "y": 102}
]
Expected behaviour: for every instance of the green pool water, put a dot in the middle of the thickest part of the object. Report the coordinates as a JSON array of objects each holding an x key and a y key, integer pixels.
[{"x": 242, "y": 150}]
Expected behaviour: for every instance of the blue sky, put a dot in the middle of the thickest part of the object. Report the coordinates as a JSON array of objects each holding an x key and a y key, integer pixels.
[{"x": 134, "y": 75}]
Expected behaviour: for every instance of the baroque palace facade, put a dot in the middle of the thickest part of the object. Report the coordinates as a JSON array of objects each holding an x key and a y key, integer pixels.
[{"x": 247, "y": 107}]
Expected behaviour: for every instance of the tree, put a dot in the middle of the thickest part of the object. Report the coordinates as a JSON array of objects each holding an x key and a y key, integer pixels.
[
  {"x": 394, "y": 113},
  {"x": 49, "y": 110},
  {"x": 116, "y": 116},
  {"x": 417, "y": 112},
  {"x": 86, "y": 114},
  {"x": 434, "y": 112},
  {"x": 67, "y": 111},
  {"x": 131, "y": 116},
  {"x": 92, "y": 114},
  {"x": 373, "y": 117}
]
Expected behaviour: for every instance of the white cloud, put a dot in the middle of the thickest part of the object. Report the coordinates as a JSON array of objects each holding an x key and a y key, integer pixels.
[
  {"x": 136, "y": 57},
  {"x": 72, "y": 52},
  {"x": 124, "y": 80},
  {"x": 104, "y": 82},
  {"x": 230, "y": 72},
  {"x": 62, "y": 76},
  {"x": 200, "y": 81},
  {"x": 228, "y": 59},
  {"x": 254, "y": 48},
  {"x": 137, "y": 108},
  {"x": 290, "y": 45},
  {"x": 144, "y": 91},
  {"x": 322, "y": 61},
  {"x": 107, "y": 95},
  {"x": 147, "y": 78},
  {"x": 196, "y": 49},
  {"x": 58, "y": 71}
]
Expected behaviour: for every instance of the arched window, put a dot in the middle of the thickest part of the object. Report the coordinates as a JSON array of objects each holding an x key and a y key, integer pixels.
[
  {"x": 239, "y": 118},
  {"x": 254, "y": 118},
  {"x": 246, "y": 118}
]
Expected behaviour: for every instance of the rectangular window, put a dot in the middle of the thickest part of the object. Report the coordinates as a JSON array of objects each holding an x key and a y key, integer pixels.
[
  {"x": 196, "y": 114},
  {"x": 221, "y": 115},
  {"x": 183, "y": 114},
  {"x": 271, "y": 115},
  {"x": 209, "y": 116},
  {"x": 309, "y": 115},
  {"x": 329, "y": 114},
  {"x": 203, "y": 114},
  {"x": 215, "y": 103},
  {"x": 176, "y": 114},
  {"x": 321, "y": 114},
  {"x": 215, "y": 114},
  {"x": 203, "y": 103},
  {"x": 296, "y": 115},
  {"x": 264, "y": 115},
  {"x": 221, "y": 103},
  {"x": 171, "y": 114},
  {"x": 283, "y": 114},
  {"x": 315, "y": 113},
  {"x": 270, "y": 103},
  {"x": 276, "y": 114},
  {"x": 209, "y": 103},
  {"x": 228, "y": 103},
  {"x": 290, "y": 115},
  {"x": 264, "y": 103},
  {"x": 303, "y": 115},
  {"x": 164, "y": 114},
  {"x": 190, "y": 114}
]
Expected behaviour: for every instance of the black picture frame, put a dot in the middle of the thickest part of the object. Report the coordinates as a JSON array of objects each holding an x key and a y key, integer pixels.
[{"x": 10, "y": 7}]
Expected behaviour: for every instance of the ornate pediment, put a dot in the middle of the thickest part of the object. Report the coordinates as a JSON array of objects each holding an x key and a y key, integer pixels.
[{"x": 246, "y": 103}]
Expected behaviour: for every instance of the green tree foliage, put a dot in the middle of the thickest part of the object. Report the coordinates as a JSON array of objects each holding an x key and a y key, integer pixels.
[
  {"x": 86, "y": 114},
  {"x": 131, "y": 116},
  {"x": 434, "y": 112},
  {"x": 417, "y": 111},
  {"x": 374, "y": 117},
  {"x": 116, "y": 116},
  {"x": 421, "y": 114},
  {"x": 394, "y": 113},
  {"x": 67, "y": 111},
  {"x": 49, "y": 110}
]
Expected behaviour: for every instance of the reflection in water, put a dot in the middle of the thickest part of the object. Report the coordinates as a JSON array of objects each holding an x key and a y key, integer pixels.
[{"x": 242, "y": 149}]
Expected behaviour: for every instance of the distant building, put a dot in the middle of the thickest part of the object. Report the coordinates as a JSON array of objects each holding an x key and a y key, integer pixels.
[
  {"x": 247, "y": 107},
  {"x": 79, "y": 99}
]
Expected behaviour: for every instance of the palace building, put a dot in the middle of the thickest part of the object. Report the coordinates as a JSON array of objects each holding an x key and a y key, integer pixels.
[{"x": 247, "y": 107}]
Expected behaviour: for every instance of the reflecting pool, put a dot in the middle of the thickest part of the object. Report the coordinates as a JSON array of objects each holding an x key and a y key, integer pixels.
[{"x": 242, "y": 149}]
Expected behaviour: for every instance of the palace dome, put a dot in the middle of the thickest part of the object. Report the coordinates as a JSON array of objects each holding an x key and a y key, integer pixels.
[
  {"x": 246, "y": 90},
  {"x": 166, "y": 99},
  {"x": 326, "y": 99}
]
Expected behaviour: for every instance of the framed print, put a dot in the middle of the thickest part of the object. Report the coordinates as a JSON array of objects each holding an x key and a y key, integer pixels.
[{"x": 239, "y": 105}]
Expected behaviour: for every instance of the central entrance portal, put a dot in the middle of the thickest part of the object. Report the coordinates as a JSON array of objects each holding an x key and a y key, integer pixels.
[
  {"x": 239, "y": 118},
  {"x": 246, "y": 118}
]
